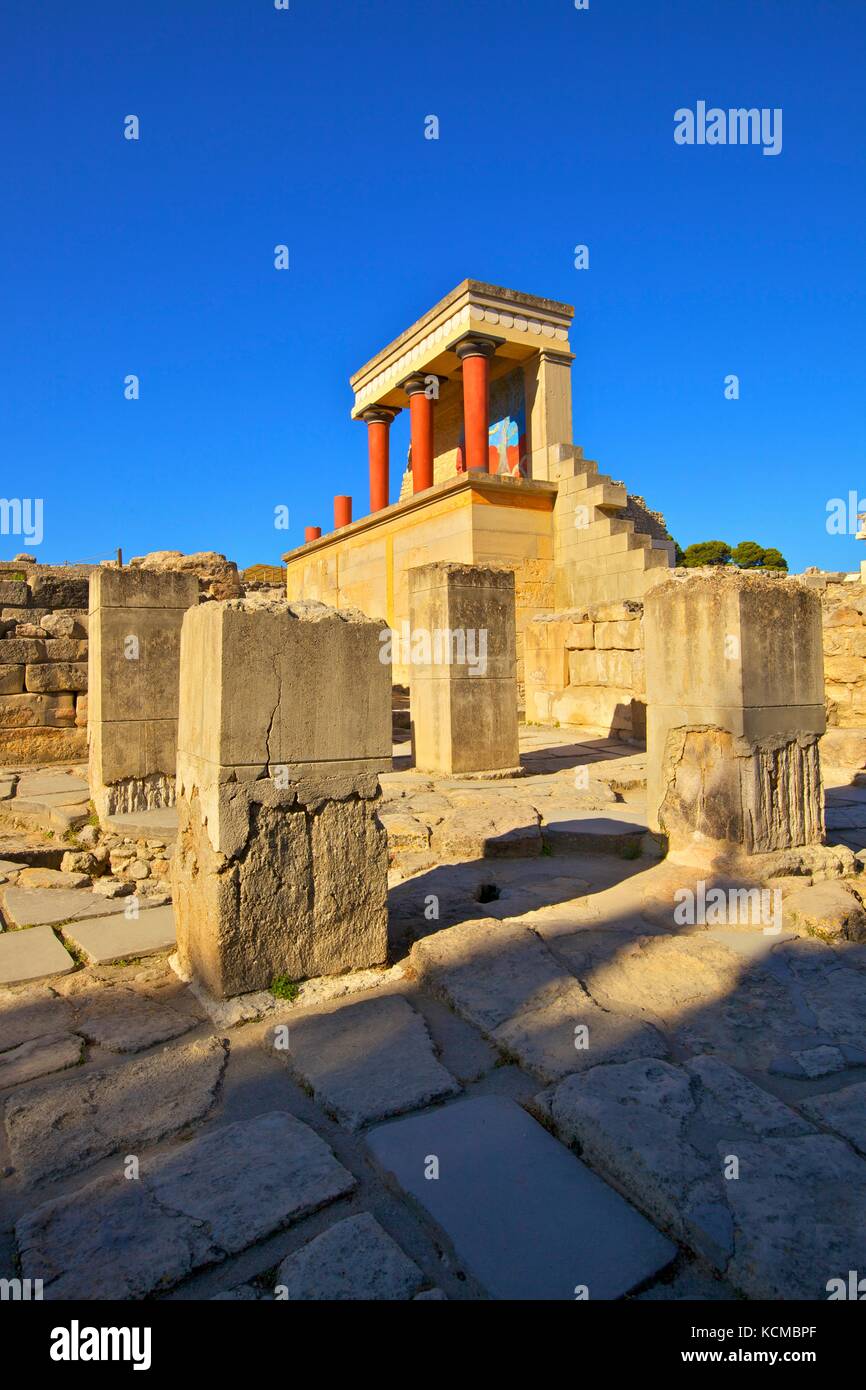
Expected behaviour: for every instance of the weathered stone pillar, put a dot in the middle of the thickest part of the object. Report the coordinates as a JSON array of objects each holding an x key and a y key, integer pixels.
[
  {"x": 133, "y": 668},
  {"x": 280, "y": 866},
  {"x": 463, "y": 668},
  {"x": 735, "y": 708}
]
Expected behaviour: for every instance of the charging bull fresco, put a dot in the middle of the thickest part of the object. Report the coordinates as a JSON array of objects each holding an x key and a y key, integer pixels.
[{"x": 507, "y": 444}]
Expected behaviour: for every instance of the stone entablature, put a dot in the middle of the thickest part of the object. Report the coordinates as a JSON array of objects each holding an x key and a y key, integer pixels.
[
  {"x": 485, "y": 376},
  {"x": 524, "y": 322}
]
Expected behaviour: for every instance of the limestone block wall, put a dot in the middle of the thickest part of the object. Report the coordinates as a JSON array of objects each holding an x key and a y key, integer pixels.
[
  {"x": 43, "y": 663},
  {"x": 585, "y": 667},
  {"x": 843, "y": 612},
  {"x": 467, "y": 521},
  {"x": 607, "y": 543}
]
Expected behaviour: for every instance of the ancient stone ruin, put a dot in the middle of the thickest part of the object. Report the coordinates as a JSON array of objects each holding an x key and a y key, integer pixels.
[
  {"x": 280, "y": 866},
  {"x": 735, "y": 709},
  {"x": 447, "y": 911},
  {"x": 135, "y": 621},
  {"x": 463, "y": 684}
]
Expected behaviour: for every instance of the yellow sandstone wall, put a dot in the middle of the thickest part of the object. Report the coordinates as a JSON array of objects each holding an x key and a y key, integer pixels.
[{"x": 366, "y": 565}]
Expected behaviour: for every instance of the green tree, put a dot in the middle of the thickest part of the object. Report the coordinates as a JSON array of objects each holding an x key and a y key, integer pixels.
[
  {"x": 748, "y": 555},
  {"x": 751, "y": 556},
  {"x": 774, "y": 560},
  {"x": 706, "y": 553}
]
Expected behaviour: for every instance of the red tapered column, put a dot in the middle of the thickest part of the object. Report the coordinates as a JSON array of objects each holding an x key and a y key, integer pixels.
[
  {"x": 421, "y": 427},
  {"x": 475, "y": 354},
  {"x": 378, "y": 422},
  {"x": 312, "y": 533},
  {"x": 342, "y": 512}
]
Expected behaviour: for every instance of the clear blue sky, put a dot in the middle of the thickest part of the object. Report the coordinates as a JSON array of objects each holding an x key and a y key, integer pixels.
[{"x": 261, "y": 126}]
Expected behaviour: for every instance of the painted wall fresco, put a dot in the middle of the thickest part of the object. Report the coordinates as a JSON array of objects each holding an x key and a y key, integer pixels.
[{"x": 507, "y": 443}]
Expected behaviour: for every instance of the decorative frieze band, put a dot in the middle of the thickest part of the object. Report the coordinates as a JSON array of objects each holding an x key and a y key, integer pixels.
[{"x": 445, "y": 333}]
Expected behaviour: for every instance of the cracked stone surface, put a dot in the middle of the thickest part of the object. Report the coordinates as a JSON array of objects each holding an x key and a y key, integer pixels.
[
  {"x": 524, "y": 951},
  {"x": 501, "y": 829},
  {"x": 31, "y": 1013},
  {"x": 666, "y": 1134},
  {"x": 193, "y": 1206},
  {"x": 697, "y": 990},
  {"x": 355, "y": 1259},
  {"x": 65, "y": 1125},
  {"x": 129, "y": 1018},
  {"x": 793, "y": 1000},
  {"x": 367, "y": 1059},
  {"x": 502, "y": 978},
  {"x": 843, "y": 1110},
  {"x": 39, "y": 1057}
]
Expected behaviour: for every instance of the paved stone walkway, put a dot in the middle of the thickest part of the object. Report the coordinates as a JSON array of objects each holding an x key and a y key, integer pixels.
[{"x": 555, "y": 1091}]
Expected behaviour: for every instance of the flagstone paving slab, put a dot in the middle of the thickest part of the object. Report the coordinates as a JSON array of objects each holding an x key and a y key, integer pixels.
[
  {"x": 129, "y": 1017},
  {"x": 39, "y": 1057},
  {"x": 58, "y": 1127},
  {"x": 123, "y": 938},
  {"x": 367, "y": 1059},
  {"x": 31, "y": 1012},
  {"x": 843, "y": 1110},
  {"x": 127, "y": 1020},
  {"x": 771, "y": 1005},
  {"x": 48, "y": 782},
  {"x": 158, "y": 824},
  {"x": 22, "y": 850},
  {"x": 355, "y": 1259},
  {"x": 667, "y": 1135},
  {"x": 197, "y": 1204},
  {"x": 502, "y": 978},
  {"x": 620, "y": 834},
  {"x": 28, "y": 956},
  {"x": 34, "y": 907},
  {"x": 524, "y": 1215}
]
